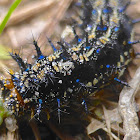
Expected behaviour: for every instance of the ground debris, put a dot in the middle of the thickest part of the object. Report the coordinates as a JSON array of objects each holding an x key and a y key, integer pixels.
[{"x": 127, "y": 108}]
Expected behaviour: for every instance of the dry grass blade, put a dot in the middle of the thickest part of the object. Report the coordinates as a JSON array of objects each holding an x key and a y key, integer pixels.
[
  {"x": 111, "y": 134},
  {"x": 43, "y": 16},
  {"x": 55, "y": 18},
  {"x": 29, "y": 11},
  {"x": 117, "y": 129},
  {"x": 4, "y": 2},
  {"x": 60, "y": 133},
  {"x": 107, "y": 119},
  {"x": 94, "y": 126},
  {"x": 35, "y": 130}
]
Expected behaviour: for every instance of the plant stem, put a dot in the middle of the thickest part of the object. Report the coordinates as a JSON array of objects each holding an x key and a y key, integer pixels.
[{"x": 5, "y": 20}]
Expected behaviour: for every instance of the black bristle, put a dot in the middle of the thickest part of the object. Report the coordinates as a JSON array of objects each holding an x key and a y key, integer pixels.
[
  {"x": 19, "y": 60},
  {"x": 39, "y": 53},
  {"x": 52, "y": 45}
]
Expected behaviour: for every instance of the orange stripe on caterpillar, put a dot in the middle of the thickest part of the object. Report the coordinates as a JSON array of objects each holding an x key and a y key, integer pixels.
[{"x": 10, "y": 85}]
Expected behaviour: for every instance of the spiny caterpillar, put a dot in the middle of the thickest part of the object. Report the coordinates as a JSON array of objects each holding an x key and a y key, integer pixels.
[{"x": 98, "y": 58}]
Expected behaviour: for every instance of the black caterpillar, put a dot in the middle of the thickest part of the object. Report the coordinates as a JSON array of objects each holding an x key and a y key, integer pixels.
[{"x": 96, "y": 59}]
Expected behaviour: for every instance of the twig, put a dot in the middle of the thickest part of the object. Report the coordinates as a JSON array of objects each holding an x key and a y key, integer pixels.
[{"x": 127, "y": 108}]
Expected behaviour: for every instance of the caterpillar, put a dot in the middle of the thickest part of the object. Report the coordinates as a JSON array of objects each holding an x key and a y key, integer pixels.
[{"x": 96, "y": 59}]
